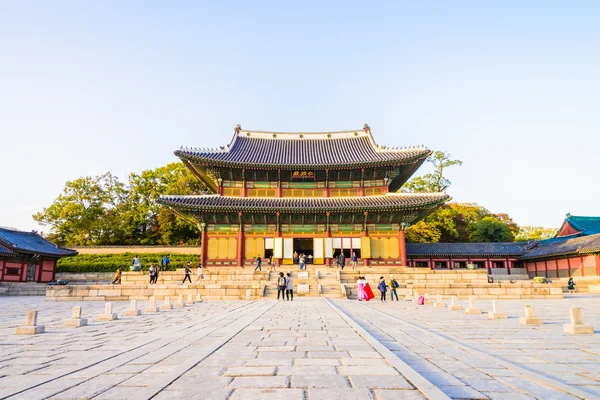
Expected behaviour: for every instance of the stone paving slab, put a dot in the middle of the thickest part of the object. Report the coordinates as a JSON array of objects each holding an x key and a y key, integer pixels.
[
  {"x": 533, "y": 362},
  {"x": 306, "y": 349}
]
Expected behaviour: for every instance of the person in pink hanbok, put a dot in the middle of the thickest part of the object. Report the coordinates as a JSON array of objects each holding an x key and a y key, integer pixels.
[{"x": 360, "y": 288}]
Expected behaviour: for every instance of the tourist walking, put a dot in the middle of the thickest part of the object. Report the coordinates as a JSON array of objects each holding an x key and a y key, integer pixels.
[
  {"x": 571, "y": 285},
  {"x": 354, "y": 260},
  {"x": 302, "y": 261},
  {"x": 117, "y": 276},
  {"x": 167, "y": 262},
  {"x": 188, "y": 271},
  {"x": 382, "y": 288},
  {"x": 289, "y": 287},
  {"x": 199, "y": 272},
  {"x": 393, "y": 285},
  {"x": 258, "y": 263},
  {"x": 281, "y": 285},
  {"x": 342, "y": 261},
  {"x": 152, "y": 270}
]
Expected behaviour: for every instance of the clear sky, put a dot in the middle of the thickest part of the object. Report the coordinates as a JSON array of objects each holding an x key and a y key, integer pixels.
[{"x": 512, "y": 88}]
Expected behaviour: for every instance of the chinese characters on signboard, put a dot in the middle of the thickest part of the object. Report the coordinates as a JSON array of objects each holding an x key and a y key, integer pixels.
[{"x": 303, "y": 174}]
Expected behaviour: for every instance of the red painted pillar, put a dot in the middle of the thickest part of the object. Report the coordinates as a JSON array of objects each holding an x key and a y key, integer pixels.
[
  {"x": 327, "y": 235},
  {"x": 402, "y": 245},
  {"x": 203, "y": 246},
  {"x": 240, "y": 247}
]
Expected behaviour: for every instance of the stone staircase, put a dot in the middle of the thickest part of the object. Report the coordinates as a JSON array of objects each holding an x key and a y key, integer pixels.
[{"x": 237, "y": 283}]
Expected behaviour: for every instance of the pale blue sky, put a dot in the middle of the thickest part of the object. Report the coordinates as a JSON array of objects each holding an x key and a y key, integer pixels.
[{"x": 512, "y": 89}]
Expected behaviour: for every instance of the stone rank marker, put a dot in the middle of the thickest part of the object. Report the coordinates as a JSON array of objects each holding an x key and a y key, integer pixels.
[
  {"x": 76, "y": 321},
  {"x": 190, "y": 300},
  {"x": 108, "y": 314},
  {"x": 473, "y": 309},
  {"x": 454, "y": 306},
  {"x": 439, "y": 303},
  {"x": 152, "y": 306},
  {"x": 167, "y": 304},
  {"x": 407, "y": 295},
  {"x": 31, "y": 327},
  {"x": 530, "y": 318},
  {"x": 179, "y": 303},
  {"x": 415, "y": 298},
  {"x": 576, "y": 327},
  {"x": 133, "y": 309},
  {"x": 497, "y": 314}
]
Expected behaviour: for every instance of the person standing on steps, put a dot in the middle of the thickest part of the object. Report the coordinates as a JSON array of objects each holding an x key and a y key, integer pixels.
[
  {"x": 342, "y": 261},
  {"x": 571, "y": 285},
  {"x": 117, "y": 276},
  {"x": 156, "y": 271},
  {"x": 281, "y": 285},
  {"x": 258, "y": 263},
  {"x": 302, "y": 262},
  {"x": 393, "y": 285},
  {"x": 188, "y": 271},
  {"x": 151, "y": 274},
  {"x": 382, "y": 288},
  {"x": 354, "y": 260},
  {"x": 289, "y": 287}
]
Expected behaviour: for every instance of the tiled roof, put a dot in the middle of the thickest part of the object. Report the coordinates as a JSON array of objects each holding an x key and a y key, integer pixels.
[
  {"x": 31, "y": 243},
  {"x": 295, "y": 150},
  {"x": 564, "y": 246},
  {"x": 6, "y": 252},
  {"x": 389, "y": 201},
  {"x": 467, "y": 249},
  {"x": 585, "y": 225}
]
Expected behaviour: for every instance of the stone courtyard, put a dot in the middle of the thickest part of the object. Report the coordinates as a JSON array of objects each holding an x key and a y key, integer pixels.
[{"x": 312, "y": 348}]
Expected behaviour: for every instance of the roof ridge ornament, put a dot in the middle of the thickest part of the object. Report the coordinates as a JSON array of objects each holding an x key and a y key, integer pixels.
[{"x": 237, "y": 129}]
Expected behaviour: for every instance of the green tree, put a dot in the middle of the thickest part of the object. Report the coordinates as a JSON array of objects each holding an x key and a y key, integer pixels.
[
  {"x": 104, "y": 210},
  {"x": 490, "y": 229},
  {"x": 85, "y": 212},
  {"x": 434, "y": 181},
  {"x": 534, "y": 233}
]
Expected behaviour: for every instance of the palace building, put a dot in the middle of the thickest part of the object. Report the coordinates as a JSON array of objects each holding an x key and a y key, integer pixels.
[{"x": 275, "y": 194}]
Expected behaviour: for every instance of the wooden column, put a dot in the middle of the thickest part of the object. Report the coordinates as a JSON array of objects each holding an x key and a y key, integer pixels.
[
  {"x": 361, "y": 189},
  {"x": 244, "y": 188},
  {"x": 240, "y": 243},
  {"x": 327, "y": 235},
  {"x": 402, "y": 245},
  {"x": 569, "y": 265},
  {"x": 508, "y": 266},
  {"x": 582, "y": 269},
  {"x": 279, "y": 183},
  {"x": 326, "y": 190},
  {"x": 220, "y": 187},
  {"x": 546, "y": 268},
  {"x": 203, "y": 245},
  {"x": 488, "y": 263},
  {"x": 365, "y": 261}
]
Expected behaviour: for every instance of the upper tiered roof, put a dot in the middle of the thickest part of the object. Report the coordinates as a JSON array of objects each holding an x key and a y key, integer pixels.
[
  {"x": 289, "y": 150},
  {"x": 30, "y": 243}
]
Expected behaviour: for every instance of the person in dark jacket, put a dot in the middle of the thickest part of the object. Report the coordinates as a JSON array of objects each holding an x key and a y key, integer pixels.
[
  {"x": 342, "y": 261},
  {"x": 188, "y": 271},
  {"x": 382, "y": 288},
  {"x": 289, "y": 287},
  {"x": 281, "y": 285}
]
